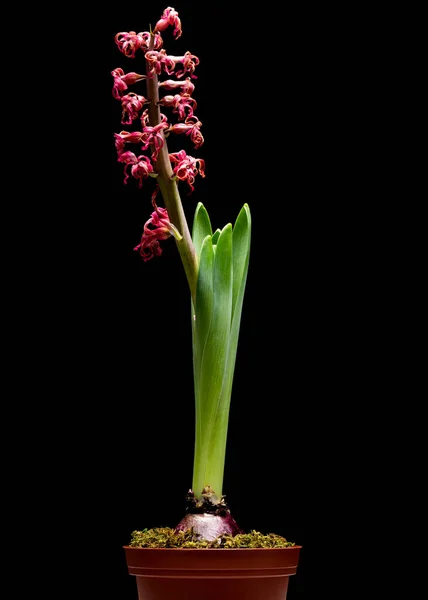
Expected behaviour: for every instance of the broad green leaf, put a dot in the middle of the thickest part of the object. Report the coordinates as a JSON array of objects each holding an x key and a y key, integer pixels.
[
  {"x": 204, "y": 293},
  {"x": 214, "y": 355},
  {"x": 215, "y": 351},
  {"x": 216, "y": 236},
  {"x": 202, "y": 311},
  {"x": 241, "y": 253},
  {"x": 201, "y": 227},
  {"x": 241, "y": 250},
  {"x": 223, "y": 273}
]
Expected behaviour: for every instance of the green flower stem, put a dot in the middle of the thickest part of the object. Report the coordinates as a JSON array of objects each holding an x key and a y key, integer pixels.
[{"x": 169, "y": 188}]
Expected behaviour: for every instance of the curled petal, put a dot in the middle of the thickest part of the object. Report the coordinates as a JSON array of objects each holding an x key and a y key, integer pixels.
[
  {"x": 169, "y": 17},
  {"x": 128, "y": 43},
  {"x": 153, "y": 135},
  {"x": 180, "y": 103},
  {"x": 156, "y": 229},
  {"x": 190, "y": 127},
  {"x": 145, "y": 40},
  {"x": 119, "y": 86},
  {"x": 187, "y": 167},
  {"x": 131, "y": 106},
  {"x": 159, "y": 60},
  {"x": 142, "y": 169},
  {"x": 128, "y": 158},
  {"x": 189, "y": 62}
]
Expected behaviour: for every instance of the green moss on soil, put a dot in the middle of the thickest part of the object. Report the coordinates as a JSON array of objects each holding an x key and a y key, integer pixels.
[{"x": 165, "y": 537}]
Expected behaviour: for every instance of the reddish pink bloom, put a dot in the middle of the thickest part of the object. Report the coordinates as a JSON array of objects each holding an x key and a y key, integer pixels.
[
  {"x": 124, "y": 136},
  {"x": 131, "y": 106},
  {"x": 121, "y": 81},
  {"x": 120, "y": 139},
  {"x": 162, "y": 230},
  {"x": 129, "y": 158},
  {"x": 145, "y": 40},
  {"x": 179, "y": 103},
  {"x": 187, "y": 167},
  {"x": 190, "y": 127},
  {"x": 119, "y": 143},
  {"x": 158, "y": 60},
  {"x": 142, "y": 169},
  {"x": 129, "y": 43},
  {"x": 169, "y": 17},
  {"x": 187, "y": 87},
  {"x": 145, "y": 122},
  {"x": 153, "y": 135},
  {"x": 189, "y": 62},
  {"x": 141, "y": 166}
]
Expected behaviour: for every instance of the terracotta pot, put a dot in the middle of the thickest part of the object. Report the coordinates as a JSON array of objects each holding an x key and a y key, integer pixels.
[{"x": 223, "y": 574}]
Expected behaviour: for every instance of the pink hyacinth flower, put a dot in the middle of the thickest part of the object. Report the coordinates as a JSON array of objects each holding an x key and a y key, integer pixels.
[
  {"x": 156, "y": 229},
  {"x": 129, "y": 42},
  {"x": 187, "y": 167},
  {"x": 180, "y": 103},
  {"x": 133, "y": 137},
  {"x": 145, "y": 40},
  {"x": 153, "y": 135},
  {"x": 141, "y": 167},
  {"x": 189, "y": 62},
  {"x": 186, "y": 86},
  {"x": 169, "y": 17},
  {"x": 119, "y": 143},
  {"x": 121, "y": 81},
  {"x": 131, "y": 106},
  {"x": 190, "y": 127},
  {"x": 145, "y": 120},
  {"x": 158, "y": 61}
]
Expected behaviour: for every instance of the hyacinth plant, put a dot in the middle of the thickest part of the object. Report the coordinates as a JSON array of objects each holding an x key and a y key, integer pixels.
[{"x": 215, "y": 263}]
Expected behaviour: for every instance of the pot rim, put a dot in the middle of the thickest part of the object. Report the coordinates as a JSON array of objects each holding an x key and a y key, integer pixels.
[{"x": 296, "y": 547}]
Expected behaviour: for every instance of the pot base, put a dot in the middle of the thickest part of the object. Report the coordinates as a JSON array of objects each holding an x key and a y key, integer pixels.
[
  {"x": 274, "y": 588},
  {"x": 208, "y": 574}
]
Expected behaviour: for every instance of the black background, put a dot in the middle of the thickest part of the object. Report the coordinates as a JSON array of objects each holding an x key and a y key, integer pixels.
[{"x": 119, "y": 340}]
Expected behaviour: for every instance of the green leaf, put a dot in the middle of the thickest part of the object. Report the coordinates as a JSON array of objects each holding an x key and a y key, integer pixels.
[
  {"x": 216, "y": 235},
  {"x": 219, "y": 297},
  {"x": 202, "y": 312},
  {"x": 201, "y": 227},
  {"x": 212, "y": 365},
  {"x": 241, "y": 255},
  {"x": 204, "y": 294},
  {"x": 215, "y": 351}
]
